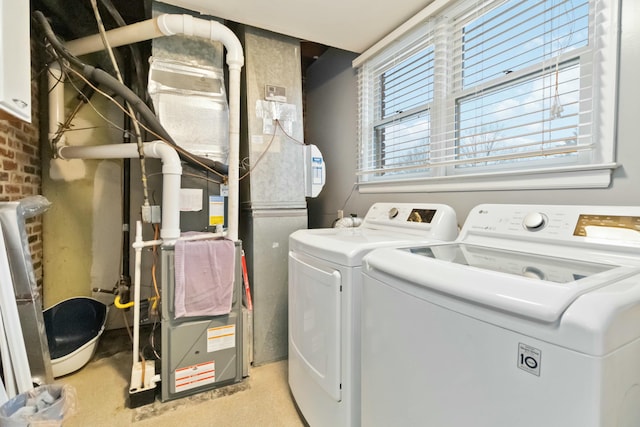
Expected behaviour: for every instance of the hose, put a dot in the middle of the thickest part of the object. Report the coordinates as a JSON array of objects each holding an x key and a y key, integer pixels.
[
  {"x": 55, "y": 43},
  {"x": 348, "y": 222},
  {"x": 118, "y": 304}
]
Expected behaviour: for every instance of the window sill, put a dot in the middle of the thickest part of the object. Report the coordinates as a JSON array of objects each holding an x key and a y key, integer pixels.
[{"x": 593, "y": 176}]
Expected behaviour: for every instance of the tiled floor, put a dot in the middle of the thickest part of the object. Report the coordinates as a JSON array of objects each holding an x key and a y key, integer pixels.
[{"x": 262, "y": 399}]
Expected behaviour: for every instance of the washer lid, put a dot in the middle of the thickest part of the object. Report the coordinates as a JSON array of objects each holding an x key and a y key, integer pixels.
[
  {"x": 525, "y": 284},
  {"x": 529, "y": 265},
  {"x": 347, "y": 246}
]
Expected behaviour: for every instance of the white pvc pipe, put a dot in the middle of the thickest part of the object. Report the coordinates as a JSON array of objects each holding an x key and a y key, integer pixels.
[
  {"x": 136, "y": 294},
  {"x": 234, "y": 151},
  {"x": 171, "y": 171},
  {"x": 187, "y": 25},
  {"x": 168, "y": 25},
  {"x": 56, "y": 101},
  {"x": 140, "y": 244},
  {"x": 163, "y": 25},
  {"x": 140, "y": 31},
  {"x": 203, "y": 236}
]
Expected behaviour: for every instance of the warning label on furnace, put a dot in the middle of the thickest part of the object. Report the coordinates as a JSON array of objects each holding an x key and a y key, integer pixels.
[
  {"x": 221, "y": 337},
  {"x": 195, "y": 376},
  {"x": 216, "y": 210}
]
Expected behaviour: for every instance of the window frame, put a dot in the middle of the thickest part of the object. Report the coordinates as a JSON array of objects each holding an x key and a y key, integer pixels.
[{"x": 590, "y": 170}]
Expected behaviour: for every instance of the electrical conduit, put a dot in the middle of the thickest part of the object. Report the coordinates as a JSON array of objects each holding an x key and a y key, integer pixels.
[{"x": 168, "y": 25}]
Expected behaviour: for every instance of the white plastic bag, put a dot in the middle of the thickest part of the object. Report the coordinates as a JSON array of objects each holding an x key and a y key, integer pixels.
[{"x": 43, "y": 406}]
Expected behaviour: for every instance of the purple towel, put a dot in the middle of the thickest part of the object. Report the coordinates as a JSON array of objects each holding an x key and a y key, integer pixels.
[{"x": 204, "y": 272}]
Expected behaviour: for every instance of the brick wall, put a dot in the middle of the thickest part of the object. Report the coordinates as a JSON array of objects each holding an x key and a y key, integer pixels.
[{"x": 20, "y": 167}]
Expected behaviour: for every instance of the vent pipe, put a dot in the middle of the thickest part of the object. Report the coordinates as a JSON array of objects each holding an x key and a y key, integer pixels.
[
  {"x": 169, "y": 25},
  {"x": 171, "y": 174}
]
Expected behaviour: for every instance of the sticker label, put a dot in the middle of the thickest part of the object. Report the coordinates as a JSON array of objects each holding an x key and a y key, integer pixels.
[
  {"x": 221, "y": 338},
  {"x": 190, "y": 199},
  {"x": 529, "y": 359},
  {"x": 195, "y": 376},
  {"x": 216, "y": 210},
  {"x": 317, "y": 170}
]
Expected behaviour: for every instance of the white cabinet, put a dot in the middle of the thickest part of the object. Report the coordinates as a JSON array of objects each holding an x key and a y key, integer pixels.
[{"x": 15, "y": 58}]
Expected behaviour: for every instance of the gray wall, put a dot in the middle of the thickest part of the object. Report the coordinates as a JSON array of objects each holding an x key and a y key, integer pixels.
[{"x": 331, "y": 124}]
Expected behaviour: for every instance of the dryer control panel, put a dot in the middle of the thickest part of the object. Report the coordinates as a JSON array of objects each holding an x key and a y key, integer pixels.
[{"x": 435, "y": 221}]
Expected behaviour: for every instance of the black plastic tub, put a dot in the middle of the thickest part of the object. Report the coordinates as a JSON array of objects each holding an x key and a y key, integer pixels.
[{"x": 73, "y": 329}]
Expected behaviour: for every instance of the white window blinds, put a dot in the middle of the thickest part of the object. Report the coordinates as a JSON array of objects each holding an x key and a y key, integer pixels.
[{"x": 490, "y": 86}]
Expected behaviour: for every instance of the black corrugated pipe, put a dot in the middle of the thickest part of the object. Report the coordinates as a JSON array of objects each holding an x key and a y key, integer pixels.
[
  {"x": 105, "y": 79},
  {"x": 136, "y": 56}
]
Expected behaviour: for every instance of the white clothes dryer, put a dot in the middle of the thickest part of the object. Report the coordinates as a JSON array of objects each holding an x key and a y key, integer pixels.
[
  {"x": 324, "y": 303},
  {"x": 531, "y": 318}
]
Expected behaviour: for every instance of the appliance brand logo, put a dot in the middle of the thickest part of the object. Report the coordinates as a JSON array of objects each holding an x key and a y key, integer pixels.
[{"x": 529, "y": 359}]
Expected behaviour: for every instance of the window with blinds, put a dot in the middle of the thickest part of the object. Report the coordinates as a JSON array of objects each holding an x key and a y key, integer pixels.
[
  {"x": 487, "y": 87},
  {"x": 405, "y": 95}
]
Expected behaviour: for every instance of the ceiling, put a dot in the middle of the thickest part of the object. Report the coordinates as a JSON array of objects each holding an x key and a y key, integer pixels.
[{"x": 352, "y": 25}]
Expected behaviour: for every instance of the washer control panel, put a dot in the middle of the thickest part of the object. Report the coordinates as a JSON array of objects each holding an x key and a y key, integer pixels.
[
  {"x": 563, "y": 222},
  {"x": 613, "y": 225},
  {"x": 534, "y": 221}
]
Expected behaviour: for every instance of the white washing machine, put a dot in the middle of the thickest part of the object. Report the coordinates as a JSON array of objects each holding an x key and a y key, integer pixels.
[
  {"x": 531, "y": 318},
  {"x": 324, "y": 303}
]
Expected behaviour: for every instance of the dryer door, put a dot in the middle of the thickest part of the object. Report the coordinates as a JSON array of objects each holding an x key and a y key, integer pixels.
[{"x": 314, "y": 320}]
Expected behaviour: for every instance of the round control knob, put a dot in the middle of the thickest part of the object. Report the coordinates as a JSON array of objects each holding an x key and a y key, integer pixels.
[
  {"x": 533, "y": 221},
  {"x": 393, "y": 212}
]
